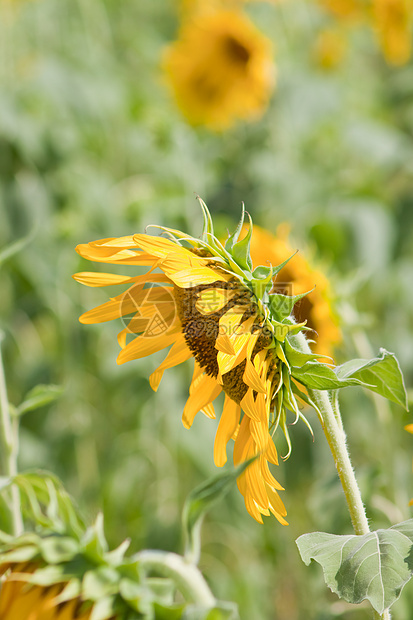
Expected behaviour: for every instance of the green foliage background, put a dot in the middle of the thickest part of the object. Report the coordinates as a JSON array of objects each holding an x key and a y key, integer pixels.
[{"x": 91, "y": 146}]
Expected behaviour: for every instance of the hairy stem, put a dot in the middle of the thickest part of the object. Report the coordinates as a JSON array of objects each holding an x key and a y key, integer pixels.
[
  {"x": 9, "y": 449},
  {"x": 333, "y": 429},
  {"x": 186, "y": 576}
]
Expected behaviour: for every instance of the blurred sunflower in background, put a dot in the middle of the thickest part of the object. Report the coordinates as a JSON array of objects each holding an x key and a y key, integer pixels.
[
  {"x": 297, "y": 277},
  {"x": 220, "y": 69},
  {"x": 19, "y": 599},
  {"x": 210, "y": 304},
  {"x": 391, "y": 20}
]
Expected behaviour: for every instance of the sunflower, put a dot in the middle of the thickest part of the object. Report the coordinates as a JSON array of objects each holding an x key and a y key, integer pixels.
[
  {"x": 21, "y": 600},
  {"x": 392, "y": 20},
  {"x": 297, "y": 277},
  {"x": 220, "y": 69},
  {"x": 330, "y": 48},
  {"x": 207, "y": 301}
]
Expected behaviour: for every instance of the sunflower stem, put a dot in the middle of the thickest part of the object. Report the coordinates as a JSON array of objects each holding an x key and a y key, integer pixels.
[
  {"x": 9, "y": 449},
  {"x": 186, "y": 575},
  {"x": 331, "y": 422}
]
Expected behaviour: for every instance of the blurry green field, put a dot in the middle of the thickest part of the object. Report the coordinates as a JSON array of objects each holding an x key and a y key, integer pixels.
[{"x": 92, "y": 146}]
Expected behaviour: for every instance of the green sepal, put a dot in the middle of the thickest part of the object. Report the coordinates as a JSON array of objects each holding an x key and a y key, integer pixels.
[
  {"x": 298, "y": 358},
  {"x": 208, "y": 228},
  {"x": 261, "y": 280},
  {"x": 241, "y": 250},
  {"x": 232, "y": 239},
  {"x": 281, "y": 330},
  {"x": 282, "y": 305},
  {"x": 94, "y": 541},
  {"x": 306, "y": 399},
  {"x": 278, "y": 268}
]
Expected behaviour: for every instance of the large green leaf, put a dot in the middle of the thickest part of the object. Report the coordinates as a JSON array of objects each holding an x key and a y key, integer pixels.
[
  {"x": 318, "y": 376},
  {"x": 382, "y": 373},
  {"x": 375, "y": 566}
]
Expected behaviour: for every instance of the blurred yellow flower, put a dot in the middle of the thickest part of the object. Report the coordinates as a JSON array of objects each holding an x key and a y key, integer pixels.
[
  {"x": 220, "y": 69},
  {"x": 347, "y": 10},
  {"x": 330, "y": 48},
  {"x": 392, "y": 20},
  {"x": 298, "y": 276},
  {"x": 21, "y": 600}
]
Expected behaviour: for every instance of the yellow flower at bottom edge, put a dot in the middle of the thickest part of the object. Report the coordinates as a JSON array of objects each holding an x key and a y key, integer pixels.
[
  {"x": 220, "y": 69},
  {"x": 207, "y": 302},
  {"x": 297, "y": 277},
  {"x": 21, "y": 600},
  {"x": 393, "y": 22}
]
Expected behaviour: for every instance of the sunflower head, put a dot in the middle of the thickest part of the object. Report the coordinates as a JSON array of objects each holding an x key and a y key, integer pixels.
[
  {"x": 220, "y": 69},
  {"x": 393, "y": 20},
  {"x": 207, "y": 300}
]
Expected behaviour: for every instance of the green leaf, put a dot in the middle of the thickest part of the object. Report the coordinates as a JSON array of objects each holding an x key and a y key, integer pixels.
[
  {"x": 318, "y": 376},
  {"x": 282, "y": 305},
  {"x": 382, "y": 373},
  {"x": 39, "y": 396},
  {"x": 199, "y": 501},
  {"x": 375, "y": 566},
  {"x": 17, "y": 246}
]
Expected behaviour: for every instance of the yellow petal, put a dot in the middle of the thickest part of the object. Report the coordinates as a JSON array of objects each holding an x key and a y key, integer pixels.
[
  {"x": 213, "y": 299},
  {"x": 206, "y": 391},
  {"x": 209, "y": 411},
  {"x": 160, "y": 246},
  {"x": 226, "y": 428},
  {"x": 223, "y": 343},
  {"x": 143, "y": 345},
  {"x": 253, "y": 379},
  {"x": 131, "y": 302},
  {"x": 249, "y": 406},
  {"x": 104, "y": 254},
  {"x": 179, "y": 353},
  {"x": 409, "y": 428},
  {"x": 190, "y": 277},
  {"x": 90, "y": 278}
]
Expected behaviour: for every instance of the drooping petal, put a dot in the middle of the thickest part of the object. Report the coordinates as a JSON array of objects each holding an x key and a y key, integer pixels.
[
  {"x": 178, "y": 353},
  {"x": 206, "y": 391},
  {"x": 143, "y": 346},
  {"x": 226, "y": 428}
]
